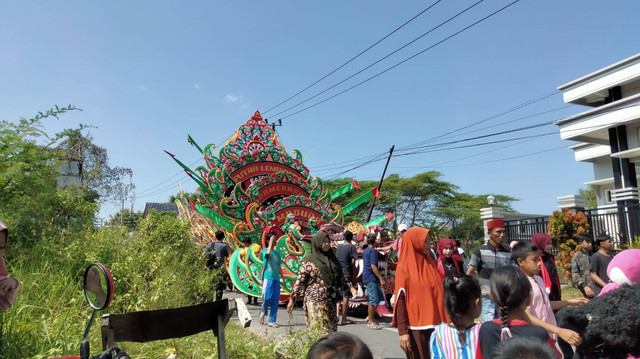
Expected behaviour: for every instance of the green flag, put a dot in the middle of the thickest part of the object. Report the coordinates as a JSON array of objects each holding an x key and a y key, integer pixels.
[
  {"x": 344, "y": 189},
  {"x": 217, "y": 219}
]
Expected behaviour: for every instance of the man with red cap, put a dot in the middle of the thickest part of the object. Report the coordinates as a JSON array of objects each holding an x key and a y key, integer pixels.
[{"x": 485, "y": 259}]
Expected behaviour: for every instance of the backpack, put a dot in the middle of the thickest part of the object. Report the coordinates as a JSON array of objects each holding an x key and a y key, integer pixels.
[{"x": 210, "y": 256}]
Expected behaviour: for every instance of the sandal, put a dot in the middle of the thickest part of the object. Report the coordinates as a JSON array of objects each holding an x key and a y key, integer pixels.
[
  {"x": 373, "y": 326},
  {"x": 273, "y": 325},
  {"x": 345, "y": 322},
  {"x": 261, "y": 318}
]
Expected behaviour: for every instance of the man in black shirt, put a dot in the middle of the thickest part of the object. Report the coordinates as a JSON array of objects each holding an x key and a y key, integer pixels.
[
  {"x": 216, "y": 253},
  {"x": 600, "y": 262},
  {"x": 347, "y": 254}
]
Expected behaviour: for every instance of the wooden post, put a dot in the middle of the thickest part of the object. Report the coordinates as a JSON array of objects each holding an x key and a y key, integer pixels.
[
  {"x": 380, "y": 184},
  {"x": 107, "y": 335},
  {"x": 222, "y": 349}
]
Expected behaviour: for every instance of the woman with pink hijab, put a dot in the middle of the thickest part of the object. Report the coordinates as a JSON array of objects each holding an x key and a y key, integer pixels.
[
  {"x": 8, "y": 285},
  {"x": 548, "y": 269}
]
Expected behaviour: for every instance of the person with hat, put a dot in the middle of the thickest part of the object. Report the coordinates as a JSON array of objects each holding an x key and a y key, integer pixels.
[
  {"x": 313, "y": 226},
  {"x": 485, "y": 259},
  {"x": 291, "y": 219}
]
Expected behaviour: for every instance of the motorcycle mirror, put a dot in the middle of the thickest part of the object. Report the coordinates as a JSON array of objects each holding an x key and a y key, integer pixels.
[{"x": 98, "y": 286}]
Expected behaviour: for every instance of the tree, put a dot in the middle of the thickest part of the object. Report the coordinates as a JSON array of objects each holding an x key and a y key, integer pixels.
[
  {"x": 590, "y": 195},
  {"x": 32, "y": 206},
  {"x": 461, "y": 215},
  {"x": 126, "y": 218},
  {"x": 424, "y": 200},
  {"x": 413, "y": 199},
  {"x": 97, "y": 177},
  {"x": 195, "y": 196}
]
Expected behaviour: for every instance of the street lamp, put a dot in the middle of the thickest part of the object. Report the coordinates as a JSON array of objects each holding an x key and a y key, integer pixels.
[{"x": 491, "y": 200}]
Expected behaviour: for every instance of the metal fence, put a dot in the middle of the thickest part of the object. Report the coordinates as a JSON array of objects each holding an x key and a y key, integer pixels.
[{"x": 611, "y": 221}]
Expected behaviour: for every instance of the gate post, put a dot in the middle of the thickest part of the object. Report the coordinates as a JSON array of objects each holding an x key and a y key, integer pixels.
[{"x": 574, "y": 202}]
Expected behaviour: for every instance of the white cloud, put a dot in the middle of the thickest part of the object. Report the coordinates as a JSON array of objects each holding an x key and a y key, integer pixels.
[
  {"x": 231, "y": 98},
  {"x": 196, "y": 85}
]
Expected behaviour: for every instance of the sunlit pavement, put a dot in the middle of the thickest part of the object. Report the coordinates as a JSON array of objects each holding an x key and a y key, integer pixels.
[{"x": 383, "y": 343}]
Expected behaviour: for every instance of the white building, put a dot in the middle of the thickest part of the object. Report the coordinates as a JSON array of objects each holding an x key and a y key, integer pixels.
[
  {"x": 68, "y": 174},
  {"x": 608, "y": 134}
]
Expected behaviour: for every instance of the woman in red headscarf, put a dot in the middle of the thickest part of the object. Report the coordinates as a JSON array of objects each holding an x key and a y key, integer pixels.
[
  {"x": 418, "y": 307},
  {"x": 548, "y": 270},
  {"x": 449, "y": 262}
]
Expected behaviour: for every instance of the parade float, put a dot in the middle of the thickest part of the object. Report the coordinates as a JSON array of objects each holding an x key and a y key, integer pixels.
[{"x": 253, "y": 186}]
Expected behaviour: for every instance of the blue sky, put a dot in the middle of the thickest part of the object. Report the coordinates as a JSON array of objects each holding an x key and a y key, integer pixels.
[{"x": 148, "y": 73}]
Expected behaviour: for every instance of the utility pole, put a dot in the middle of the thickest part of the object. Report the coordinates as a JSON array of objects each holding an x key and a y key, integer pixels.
[
  {"x": 274, "y": 124},
  {"x": 380, "y": 183}
]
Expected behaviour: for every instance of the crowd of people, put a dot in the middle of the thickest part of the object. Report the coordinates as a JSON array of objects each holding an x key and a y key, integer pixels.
[
  {"x": 515, "y": 291},
  {"x": 517, "y": 295},
  {"x": 438, "y": 299}
]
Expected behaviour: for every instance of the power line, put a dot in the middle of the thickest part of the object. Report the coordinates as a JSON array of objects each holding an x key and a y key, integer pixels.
[
  {"x": 355, "y": 57},
  {"x": 168, "y": 179},
  {"x": 178, "y": 173},
  {"x": 478, "y": 144},
  {"x": 506, "y": 158},
  {"x": 517, "y": 119},
  {"x": 403, "y": 61},
  {"x": 431, "y": 148},
  {"x": 510, "y": 110},
  {"x": 332, "y": 166},
  {"x": 478, "y": 154},
  {"x": 380, "y": 60},
  {"x": 541, "y": 124},
  {"x": 163, "y": 189}
]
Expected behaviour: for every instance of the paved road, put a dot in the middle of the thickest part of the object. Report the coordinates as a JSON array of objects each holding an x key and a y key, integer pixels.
[{"x": 383, "y": 343}]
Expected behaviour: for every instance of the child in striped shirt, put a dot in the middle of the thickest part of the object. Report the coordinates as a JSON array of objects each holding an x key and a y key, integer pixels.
[{"x": 458, "y": 339}]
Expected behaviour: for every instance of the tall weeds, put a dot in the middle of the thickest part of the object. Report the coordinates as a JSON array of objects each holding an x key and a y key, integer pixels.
[{"x": 157, "y": 267}]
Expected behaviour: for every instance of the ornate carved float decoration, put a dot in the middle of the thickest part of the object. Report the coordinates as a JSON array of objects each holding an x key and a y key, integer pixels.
[{"x": 254, "y": 185}]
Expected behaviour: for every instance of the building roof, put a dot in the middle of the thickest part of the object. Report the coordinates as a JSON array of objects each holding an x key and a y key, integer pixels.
[
  {"x": 604, "y": 71},
  {"x": 590, "y": 90},
  {"x": 160, "y": 207}
]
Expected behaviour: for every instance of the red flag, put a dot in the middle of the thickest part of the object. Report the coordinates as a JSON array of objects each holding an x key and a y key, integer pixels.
[
  {"x": 376, "y": 192},
  {"x": 169, "y": 153},
  {"x": 193, "y": 204},
  {"x": 389, "y": 216},
  {"x": 355, "y": 184}
]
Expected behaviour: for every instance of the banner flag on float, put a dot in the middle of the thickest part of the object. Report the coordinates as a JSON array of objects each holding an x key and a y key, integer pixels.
[
  {"x": 384, "y": 217},
  {"x": 344, "y": 189},
  {"x": 358, "y": 201},
  {"x": 194, "y": 144},
  {"x": 188, "y": 170},
  {"x": 217, "y": 219}
]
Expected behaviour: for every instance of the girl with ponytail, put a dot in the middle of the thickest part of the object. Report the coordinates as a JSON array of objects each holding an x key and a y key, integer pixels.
[
  {"x": 510, "y": 291},
  {"x": 459, "y": 338}
]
